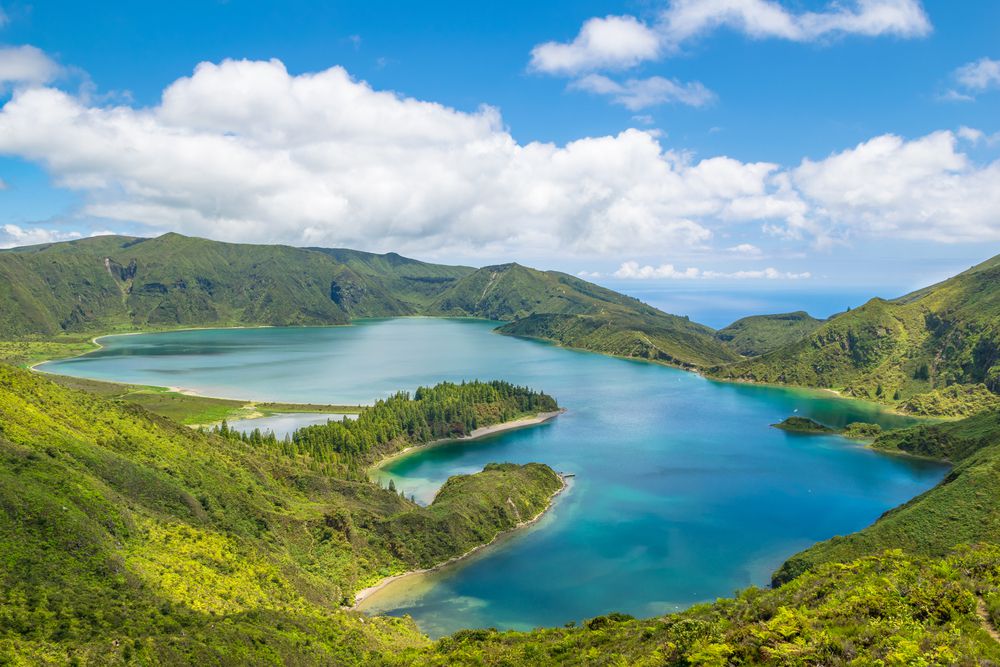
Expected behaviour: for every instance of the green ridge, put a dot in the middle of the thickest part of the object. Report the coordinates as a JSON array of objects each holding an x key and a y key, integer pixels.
[
  {"x": 758, "y": 334},
  {"x": 52, "y": 292},
  {"x": 898, "y": 351}
]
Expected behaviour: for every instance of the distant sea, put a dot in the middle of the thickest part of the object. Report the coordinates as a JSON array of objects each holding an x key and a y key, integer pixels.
[{"x": 720, "y": 306}]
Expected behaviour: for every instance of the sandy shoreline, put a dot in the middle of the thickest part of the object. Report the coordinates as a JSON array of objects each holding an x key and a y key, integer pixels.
[
  {"x": 365, "y": 593},
  {"x": 483, "y": 432}
]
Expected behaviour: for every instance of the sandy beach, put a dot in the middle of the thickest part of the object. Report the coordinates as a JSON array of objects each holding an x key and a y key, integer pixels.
[{"x": 483, "y": 432}]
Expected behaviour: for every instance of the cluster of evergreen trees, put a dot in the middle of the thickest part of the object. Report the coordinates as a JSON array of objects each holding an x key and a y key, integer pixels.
[{"x": 443, "y": 411}]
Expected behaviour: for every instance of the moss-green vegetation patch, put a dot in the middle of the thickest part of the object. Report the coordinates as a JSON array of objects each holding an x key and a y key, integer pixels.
[
  {"x": 902, "y": 351},
  {"x": 753, "y": 336},
  {"x": 954, "y": 401},
  {"x": 803, "y": 425},
  {"x": 125, "y": 536}
]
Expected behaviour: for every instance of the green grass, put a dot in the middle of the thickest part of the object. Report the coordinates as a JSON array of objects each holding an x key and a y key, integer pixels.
[
  {"x": 192, "y": 410},
  {"x": 903, "y": 352},
  {"x": 803, "y": 425},
  {"x": 756, "y": 335},
  {"x": 124, "y": 534}
]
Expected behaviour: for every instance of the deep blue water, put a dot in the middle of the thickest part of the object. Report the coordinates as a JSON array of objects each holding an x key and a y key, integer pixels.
[{"x": 682, "y": 491}]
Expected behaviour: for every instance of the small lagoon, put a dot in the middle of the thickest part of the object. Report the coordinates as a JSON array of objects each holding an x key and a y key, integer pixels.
[{"x": 682, "y": 491}]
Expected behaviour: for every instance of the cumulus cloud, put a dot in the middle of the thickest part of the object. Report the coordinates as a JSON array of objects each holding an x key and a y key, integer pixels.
[
  {"x": 637, "y": 94},
  {"x": 603, "y": 43},
  {"x": 618, "y": 42},
  {"x": 981, "y": 75},
  {"x": 13, "y": 235},
  {"x": 921, "y": 189},
  {"x": 26, "y": 65},
  {"x": 245, "y": 151},
  {"x": 633, "y": 271},
  {"x": 745, "y": 249}
]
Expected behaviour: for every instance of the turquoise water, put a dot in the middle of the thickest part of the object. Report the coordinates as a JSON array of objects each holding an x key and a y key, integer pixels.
[{"x": 682, "y": 491}]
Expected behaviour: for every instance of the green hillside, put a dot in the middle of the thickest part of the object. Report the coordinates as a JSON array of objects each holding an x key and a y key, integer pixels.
[
  {"x": 61, "y": 291},
  {"x": 411, "y": 281},
  {"x": 109, "y": 283},
  {"x": 129, "y": 538},
  {"x": 963, "y": 509},
  {"x": 756, "y": 335},
  {"x": 126, "y": 536},
  {"x": 656, "y": 337},
  {"x": 896, "y": 351}
]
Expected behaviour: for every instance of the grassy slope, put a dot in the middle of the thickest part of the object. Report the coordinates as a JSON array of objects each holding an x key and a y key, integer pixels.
[
  {"x": 887, "y": 610},
  {"x": 414, "y": 282},
  {"x": 572, "y": 312},
  {"x": 125, "y": 284},
  {"x": 963, "y": 508},
  {"x": 124, "y": 533},
  {"x": 894, "y": 350},
  {"x": 756, "y": 335}
]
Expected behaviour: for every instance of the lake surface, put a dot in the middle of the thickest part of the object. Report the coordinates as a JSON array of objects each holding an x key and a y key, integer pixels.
[
  {"x": 285, "y": 423},
  {"x": 682, "y": 491}
]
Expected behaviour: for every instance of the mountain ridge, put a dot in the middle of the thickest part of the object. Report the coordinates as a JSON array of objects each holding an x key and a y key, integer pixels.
[{"x": 112, "y": 284}]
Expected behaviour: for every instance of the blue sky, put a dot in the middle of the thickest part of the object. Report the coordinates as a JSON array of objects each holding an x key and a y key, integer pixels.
[{"x": 789, "y": 145}]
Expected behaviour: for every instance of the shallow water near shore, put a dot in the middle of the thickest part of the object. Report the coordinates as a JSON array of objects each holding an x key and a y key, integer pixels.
[{"x": 682, "y": 491}]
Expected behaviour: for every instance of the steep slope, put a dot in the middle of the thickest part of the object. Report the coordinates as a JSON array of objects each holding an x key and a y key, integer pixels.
[
  {"x": 756, "y": 335},
  {"x": 945, "y": 334},
  {"x": 414, "y": 282},
  {"x": 127, "y": 536},
  {"x": 964, "y": 508},
  {"x": 558, "y": 307},
  {"x": 118, "y": 283}
]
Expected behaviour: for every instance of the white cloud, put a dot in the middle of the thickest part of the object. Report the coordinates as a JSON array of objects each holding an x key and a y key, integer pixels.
[
  {"x": 633, "y": 271},
  {"x": 636, "y": 94},
  {"x": 618, "y": 42},
  {"x": 26, "y": 64},
  {"x": 3, "y": 185},
  {"x": 770, "y": 273},
  {"x": 919, "y": 189},
  {"x": 609, "y": 42},
  {"x": 12, "y": 236},
  {"x": 984, "y": 74},
  {"x": 244, "y": 151},
  {"x": 686, "y": 19},
  {"x": 746, "y": 249}
]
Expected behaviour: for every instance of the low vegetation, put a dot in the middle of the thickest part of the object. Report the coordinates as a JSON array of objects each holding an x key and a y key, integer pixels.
[
  {"x": 900, "y": 352},
  {"x": 803, "y": 425},
  {"x": 126, "y": 536},
  {"x": 955, "y": 401},
  {"x": 755, "y": 335}
]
